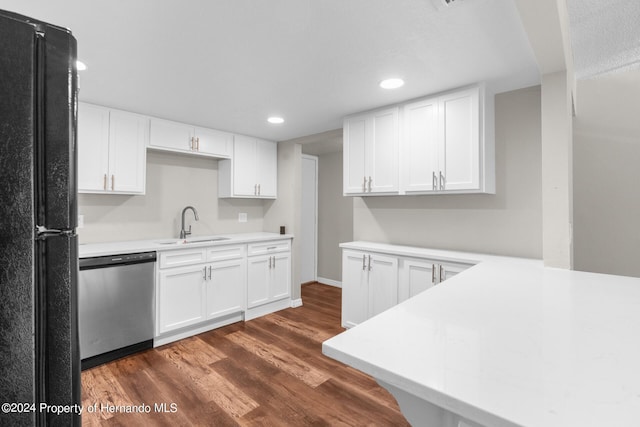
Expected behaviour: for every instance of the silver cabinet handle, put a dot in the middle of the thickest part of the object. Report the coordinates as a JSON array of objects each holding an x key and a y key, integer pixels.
[
  {"x": 364, "y": 185},
  {"x": 441, "y": 273},
  {"x": 204, "y": 271},
  {"x": 442, "y": 183},
  {"x": 364, "y": 262},
  {"x": 198, "y": 144},
  {"x": 113, "y": 182},
  {"x": 258, "y": 189},
  {"x": 369, "y": 184},
  {"x": 433, "y": 273},
  {"x": 105, "y": 182},
  {"x": 192, "y": 143},
  {"x": 269, "y": 262},
  {"x": 274, "y": 261},
  {"x": 434, "y": 181},
  {"x": 255, "y": 189},
  {"x": 369, "y": 263},
  {"x": 209, "y": 272}
]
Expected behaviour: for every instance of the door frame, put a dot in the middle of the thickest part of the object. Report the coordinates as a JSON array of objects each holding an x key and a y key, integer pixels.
[{"x": 315, "y": 222}]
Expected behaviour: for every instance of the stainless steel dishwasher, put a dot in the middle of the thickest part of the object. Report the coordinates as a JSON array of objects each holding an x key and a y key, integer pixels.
[{"x": 115, "y": 306}]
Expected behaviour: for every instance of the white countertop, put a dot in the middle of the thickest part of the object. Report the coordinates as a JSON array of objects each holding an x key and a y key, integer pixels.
[
  {"x": 161, "y": 244},
  {"x": 508, "y": 343}
]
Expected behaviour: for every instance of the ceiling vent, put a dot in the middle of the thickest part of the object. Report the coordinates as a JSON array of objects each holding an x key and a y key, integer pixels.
[{"x": 442, "y": 4}]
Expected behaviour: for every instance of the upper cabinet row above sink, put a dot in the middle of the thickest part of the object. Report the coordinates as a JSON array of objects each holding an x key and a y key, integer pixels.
[{"x": 112, "y": 153}]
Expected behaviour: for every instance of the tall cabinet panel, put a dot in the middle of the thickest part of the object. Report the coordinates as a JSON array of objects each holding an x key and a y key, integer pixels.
[
  {"x": 382, "y": 155},
  {"x": 460, "y": 136},
  {"x": 127, "y": 151},
  {"x": 355, "y": 133},
  {"x": 420, "y": 146},
  {"x": 93, "y": 147}
]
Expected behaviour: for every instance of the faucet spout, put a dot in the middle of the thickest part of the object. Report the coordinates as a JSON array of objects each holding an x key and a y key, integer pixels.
[{"x": 184, "y": 233}]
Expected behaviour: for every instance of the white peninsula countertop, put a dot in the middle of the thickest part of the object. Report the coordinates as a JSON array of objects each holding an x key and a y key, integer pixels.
[
  {"x": 87, "y": 250},
  {"x": 510, "y": 344}
]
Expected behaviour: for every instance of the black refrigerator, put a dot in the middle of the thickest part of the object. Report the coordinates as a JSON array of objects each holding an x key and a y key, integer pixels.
[{"x": 39, "y": 355}]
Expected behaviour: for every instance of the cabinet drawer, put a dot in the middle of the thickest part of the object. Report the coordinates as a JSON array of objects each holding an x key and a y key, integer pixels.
[
  {"x": 221, "y": 253},
  {"x": 269, "y": 247},
  {"x": 182, "y": 257}
]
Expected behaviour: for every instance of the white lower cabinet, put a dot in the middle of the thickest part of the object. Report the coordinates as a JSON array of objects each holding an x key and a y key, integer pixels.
[
  {"x": 224, "y": 290},
  {"x": 369, "y": 285},
  {"x": 268, "y": 278},
  {"x": 180, "y": 297},
  {"x": 373, "y": 282},
  {"x": 418, "y": 275},
  {"x": 202, "y": 288}
]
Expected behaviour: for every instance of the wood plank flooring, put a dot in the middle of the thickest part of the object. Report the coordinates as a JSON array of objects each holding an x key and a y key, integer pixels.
[{"x": 265, "y": 372}]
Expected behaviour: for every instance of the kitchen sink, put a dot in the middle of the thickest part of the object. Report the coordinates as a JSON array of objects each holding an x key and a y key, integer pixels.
[{"x": 187, "y": 241}]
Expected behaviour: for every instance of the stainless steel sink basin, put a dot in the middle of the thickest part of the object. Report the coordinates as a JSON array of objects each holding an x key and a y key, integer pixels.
[{"x": 188, "y": 241}]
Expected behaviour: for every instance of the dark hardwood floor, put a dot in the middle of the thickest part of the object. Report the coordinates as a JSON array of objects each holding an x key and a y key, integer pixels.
[{"x": 265, "y": 372}]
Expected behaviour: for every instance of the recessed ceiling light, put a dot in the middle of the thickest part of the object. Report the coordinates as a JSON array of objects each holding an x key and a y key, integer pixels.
[
  {"x": 391, "y": 83},
  {"x": 81, "y": 66},
  {"x": 275, "y": 120}
]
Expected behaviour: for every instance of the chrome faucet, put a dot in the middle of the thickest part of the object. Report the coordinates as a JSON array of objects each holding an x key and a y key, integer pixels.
[{"x": 184, "y": 233}]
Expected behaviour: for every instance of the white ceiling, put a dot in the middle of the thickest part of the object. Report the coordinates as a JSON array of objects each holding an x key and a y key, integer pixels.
[
  {"x": 228, "y": 64},
  {"x": 605, "y": 35}
]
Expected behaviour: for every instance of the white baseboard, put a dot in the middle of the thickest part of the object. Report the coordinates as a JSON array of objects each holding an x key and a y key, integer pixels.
[
  {"x": 330, "y": 282},
  {"x": 296, "y": 303}
]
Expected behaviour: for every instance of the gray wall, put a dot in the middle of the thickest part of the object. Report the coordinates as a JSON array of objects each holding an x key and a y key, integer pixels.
[
  {"x": 285, "y": 210},
  {"x": 173, "y": 182},
  {"x": 335, "y": 216},
  {"x": 508, "y": 223},
  {"x": 606, "y": 194}
]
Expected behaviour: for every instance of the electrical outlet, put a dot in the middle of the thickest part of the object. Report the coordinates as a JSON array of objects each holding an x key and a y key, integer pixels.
[{"x": 242, "y": 217}]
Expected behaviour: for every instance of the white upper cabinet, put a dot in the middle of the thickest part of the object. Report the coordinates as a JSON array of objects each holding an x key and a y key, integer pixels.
[
  {"x": 179, "y": 137},
  {"x": 252, "y": 172},
  {"x": 111, "y": 150},
  {"x": 447, "y": 144},
  {"x": 434, "y": 145},
  {"x": 420, "y": 146},
  {"x": 371, "y": 153}
]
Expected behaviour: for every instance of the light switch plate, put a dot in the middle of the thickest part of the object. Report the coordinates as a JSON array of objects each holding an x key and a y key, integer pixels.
[
  {"x": 80, "y": 221},
  {"x": 242, "y": 217}
]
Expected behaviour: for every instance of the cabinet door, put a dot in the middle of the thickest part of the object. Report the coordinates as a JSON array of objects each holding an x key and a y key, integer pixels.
[
  {"x": 355, "y": 136},
  {"x": 417, "y": 276},
  {"x": 355, "y": 288},
  {"x": 258, "y": 275},
  {"x": 459, "y": 157},
  {"x": 225, "y": 288},
  {"x": 383, "y": 283},
  {"x": 214, "y": 142},
  {"x": 448, "y": 270},
  {"x": 280, "y": 276},
  {"x": 244, "y": 166},
  {"x": 420, "y": 146},
  {"x": 181, "y": 297},
  {"x": 93, "y": 148},
  {"x": 381, "y": 152},
  {"x": 267, "y": 168},
  {"x": 171, "y": 135},
  {"x": 127, "y": 152}
]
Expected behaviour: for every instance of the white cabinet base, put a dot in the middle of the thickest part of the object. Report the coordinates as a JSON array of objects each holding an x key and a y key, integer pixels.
[
  {"x": 186, "y": 332},
  {"x": 262, "y": 310}
]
